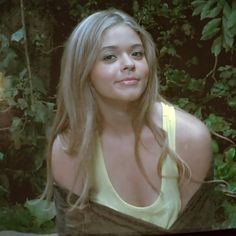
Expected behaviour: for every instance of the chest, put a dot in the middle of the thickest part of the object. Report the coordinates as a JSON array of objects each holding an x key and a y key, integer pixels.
[{"x": 134, "y": 178}]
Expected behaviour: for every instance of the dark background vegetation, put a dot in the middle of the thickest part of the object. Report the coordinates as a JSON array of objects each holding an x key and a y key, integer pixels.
[{"x": 196, "y": 57}]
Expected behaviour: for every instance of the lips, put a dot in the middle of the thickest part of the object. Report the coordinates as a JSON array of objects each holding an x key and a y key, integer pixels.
[{"x": 129, "y": 81}]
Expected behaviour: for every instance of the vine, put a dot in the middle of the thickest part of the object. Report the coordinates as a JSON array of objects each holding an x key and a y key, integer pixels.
[{"x": 26, "y": 49}]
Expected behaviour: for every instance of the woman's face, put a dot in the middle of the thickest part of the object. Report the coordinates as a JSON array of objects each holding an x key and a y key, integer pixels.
[{"x": 120, "y": 72}]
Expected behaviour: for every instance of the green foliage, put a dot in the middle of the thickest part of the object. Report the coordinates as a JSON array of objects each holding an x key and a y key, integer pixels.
[
  {"x": 225, "y": 169},
  {"x": 19, "y": 218},
  {"x": 210, "y": 96},
  {"x": 22, "y": 162},
  {"x": 78, "y": 10},
  {"x": 1, "y": 156},
  {"x": 42, "y": 210},
  {"x": 222, "y": 23},
  {"x": 230, "y": 208}
]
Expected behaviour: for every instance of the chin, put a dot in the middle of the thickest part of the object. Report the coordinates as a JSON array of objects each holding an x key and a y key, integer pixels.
[{"x": 132, "y": 98}]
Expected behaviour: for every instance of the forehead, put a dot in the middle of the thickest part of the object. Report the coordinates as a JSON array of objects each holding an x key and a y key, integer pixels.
[{"x": 120, "y": 34}]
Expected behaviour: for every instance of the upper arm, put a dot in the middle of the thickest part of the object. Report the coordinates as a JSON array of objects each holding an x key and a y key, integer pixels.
[
  {"x": 64, "y": 166},
  {"x": 194, "y": 147}
]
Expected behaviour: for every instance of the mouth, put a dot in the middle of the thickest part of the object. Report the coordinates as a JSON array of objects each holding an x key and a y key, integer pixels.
[{"x": 129, "y": 81}]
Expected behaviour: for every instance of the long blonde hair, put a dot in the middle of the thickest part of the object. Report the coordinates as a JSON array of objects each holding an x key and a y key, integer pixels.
[{"x": 77, "y": 116}]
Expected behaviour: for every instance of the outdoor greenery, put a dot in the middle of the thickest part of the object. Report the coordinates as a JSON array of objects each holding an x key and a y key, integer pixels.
[{"x": 196, "y": 57}]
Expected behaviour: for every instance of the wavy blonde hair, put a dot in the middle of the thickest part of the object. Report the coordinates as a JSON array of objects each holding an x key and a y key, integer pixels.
[{"x": 77, "y": 117}]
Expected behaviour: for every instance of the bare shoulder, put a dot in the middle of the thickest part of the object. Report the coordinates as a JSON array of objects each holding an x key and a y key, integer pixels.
[
  {"x": 193, "y": 145},
  {"x": 64, "y": 166},
  {"x": 193, "y": 140}
]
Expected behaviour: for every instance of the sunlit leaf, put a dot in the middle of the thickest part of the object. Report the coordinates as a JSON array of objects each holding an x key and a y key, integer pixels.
[
  {"x": 1, "y": 156},
  {"x": 18, "y": 35},
  {"x": 215, "y": 146},
  {"x": 216, "y": 46},
  {"x": 206, "y": 8},
  {"x": 41, "y": 209},
  {"x": 232, "y": 19},
  {"x": 211, "y": 29},
  {"x": 232, "y": 102},
  {"x": 230, "y": 154}
]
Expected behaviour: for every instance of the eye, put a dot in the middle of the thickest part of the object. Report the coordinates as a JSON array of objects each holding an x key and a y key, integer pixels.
[
  {"x": 138, "y": 54},
  {"x": 109, "y": 58}
]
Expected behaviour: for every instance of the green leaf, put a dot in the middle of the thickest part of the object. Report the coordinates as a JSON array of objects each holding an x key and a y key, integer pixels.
[
  {"x": 22, "y": 103},
  {"x": 42, "y": 210},
  {"x": 216, "y": 46},
  {"x": 9, "y": 58},
  {"x": 228, "y": 38},
  {"x": 215, "y": 146},
  {"x": 38, "y": 85},
  {"x": 16, "y": 124},
  {"x": 40, "y": 112},
  {"x": 226, "y": 9},
  {"x": 217, "y": 123},
  {"x": 211, "y": 29},
  {"x": 206, "y": 8},
  {"x": 231, "y": 23},
  {"x": 1, "y": 156},
  {"x": 232, "y": 19},
  {"x": 227, "y": 72},
  {"x": 230, "y": 154},
  {"x": 230, "y": 220},
  {"x": 4, "y": 42},
  {"x": 215, "y": 11},
  {"x": 198, "y": 5},
  {"x": 232, "y": 102},
  {"x": 3, "y": 191},
  {"x": 23, "y": 73},
  {"x": 197, "y": 11},
  {"x": 18, "y": 35}
]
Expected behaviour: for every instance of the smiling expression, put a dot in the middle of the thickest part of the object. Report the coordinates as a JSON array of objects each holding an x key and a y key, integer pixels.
[{"x": 120, "y": 72}]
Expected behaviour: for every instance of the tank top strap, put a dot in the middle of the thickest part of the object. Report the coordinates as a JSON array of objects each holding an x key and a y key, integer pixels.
[
  {"x": 169, "y": 123},
  {"x": 169, "y": 167}
]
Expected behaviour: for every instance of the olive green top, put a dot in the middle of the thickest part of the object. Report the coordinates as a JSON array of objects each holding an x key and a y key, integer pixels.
[{"x": 199, "y": 215}]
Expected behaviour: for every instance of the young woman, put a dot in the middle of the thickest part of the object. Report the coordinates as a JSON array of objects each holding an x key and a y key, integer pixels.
[{"x": 121, "y": 159}]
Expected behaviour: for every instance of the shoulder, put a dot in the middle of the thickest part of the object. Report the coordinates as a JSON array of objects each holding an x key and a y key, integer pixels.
[
  {"x": 193, "y": 139},
  {"x": 193, "y": 142},
  {"x": 193, "y": 145},
  {"x": 64, "y": 165}
]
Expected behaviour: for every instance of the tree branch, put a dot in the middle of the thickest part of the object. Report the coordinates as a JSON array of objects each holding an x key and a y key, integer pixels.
[{"x": 26, "y": 50}]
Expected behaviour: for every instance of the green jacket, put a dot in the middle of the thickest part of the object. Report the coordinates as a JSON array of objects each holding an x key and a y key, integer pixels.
[{"x": 95, "y": 219}]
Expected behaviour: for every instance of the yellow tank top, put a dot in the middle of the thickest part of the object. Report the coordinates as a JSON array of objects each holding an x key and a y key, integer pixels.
[{"x": 165, "y": 209}]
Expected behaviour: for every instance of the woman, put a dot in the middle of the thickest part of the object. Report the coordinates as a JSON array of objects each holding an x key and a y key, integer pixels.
[{"x": 121, "y": 159}]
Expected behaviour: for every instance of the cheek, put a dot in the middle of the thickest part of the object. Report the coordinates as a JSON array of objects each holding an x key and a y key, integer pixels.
[
  {"x": 99, "y": 71},
  {"x": 99, "y": 78}
]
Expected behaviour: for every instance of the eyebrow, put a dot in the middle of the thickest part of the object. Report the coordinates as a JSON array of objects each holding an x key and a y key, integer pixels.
[{"x": 113, "y": 47}]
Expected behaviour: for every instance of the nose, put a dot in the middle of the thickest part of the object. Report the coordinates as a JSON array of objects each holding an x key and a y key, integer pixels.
[{"x": 127, "y": 63}]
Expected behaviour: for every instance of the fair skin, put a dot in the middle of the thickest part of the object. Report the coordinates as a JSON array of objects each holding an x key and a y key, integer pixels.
[{"x": 119, "y": 78}]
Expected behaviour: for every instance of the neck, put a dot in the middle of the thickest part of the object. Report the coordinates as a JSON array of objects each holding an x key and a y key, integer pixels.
[{"x": 116, "y": 116}]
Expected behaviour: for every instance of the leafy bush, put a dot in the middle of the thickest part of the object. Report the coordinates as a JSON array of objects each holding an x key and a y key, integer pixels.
[
  {"x": 29, "y": 112},
  {"x": 196, "y": 49},
  {"x": 19, "y": 218}
]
